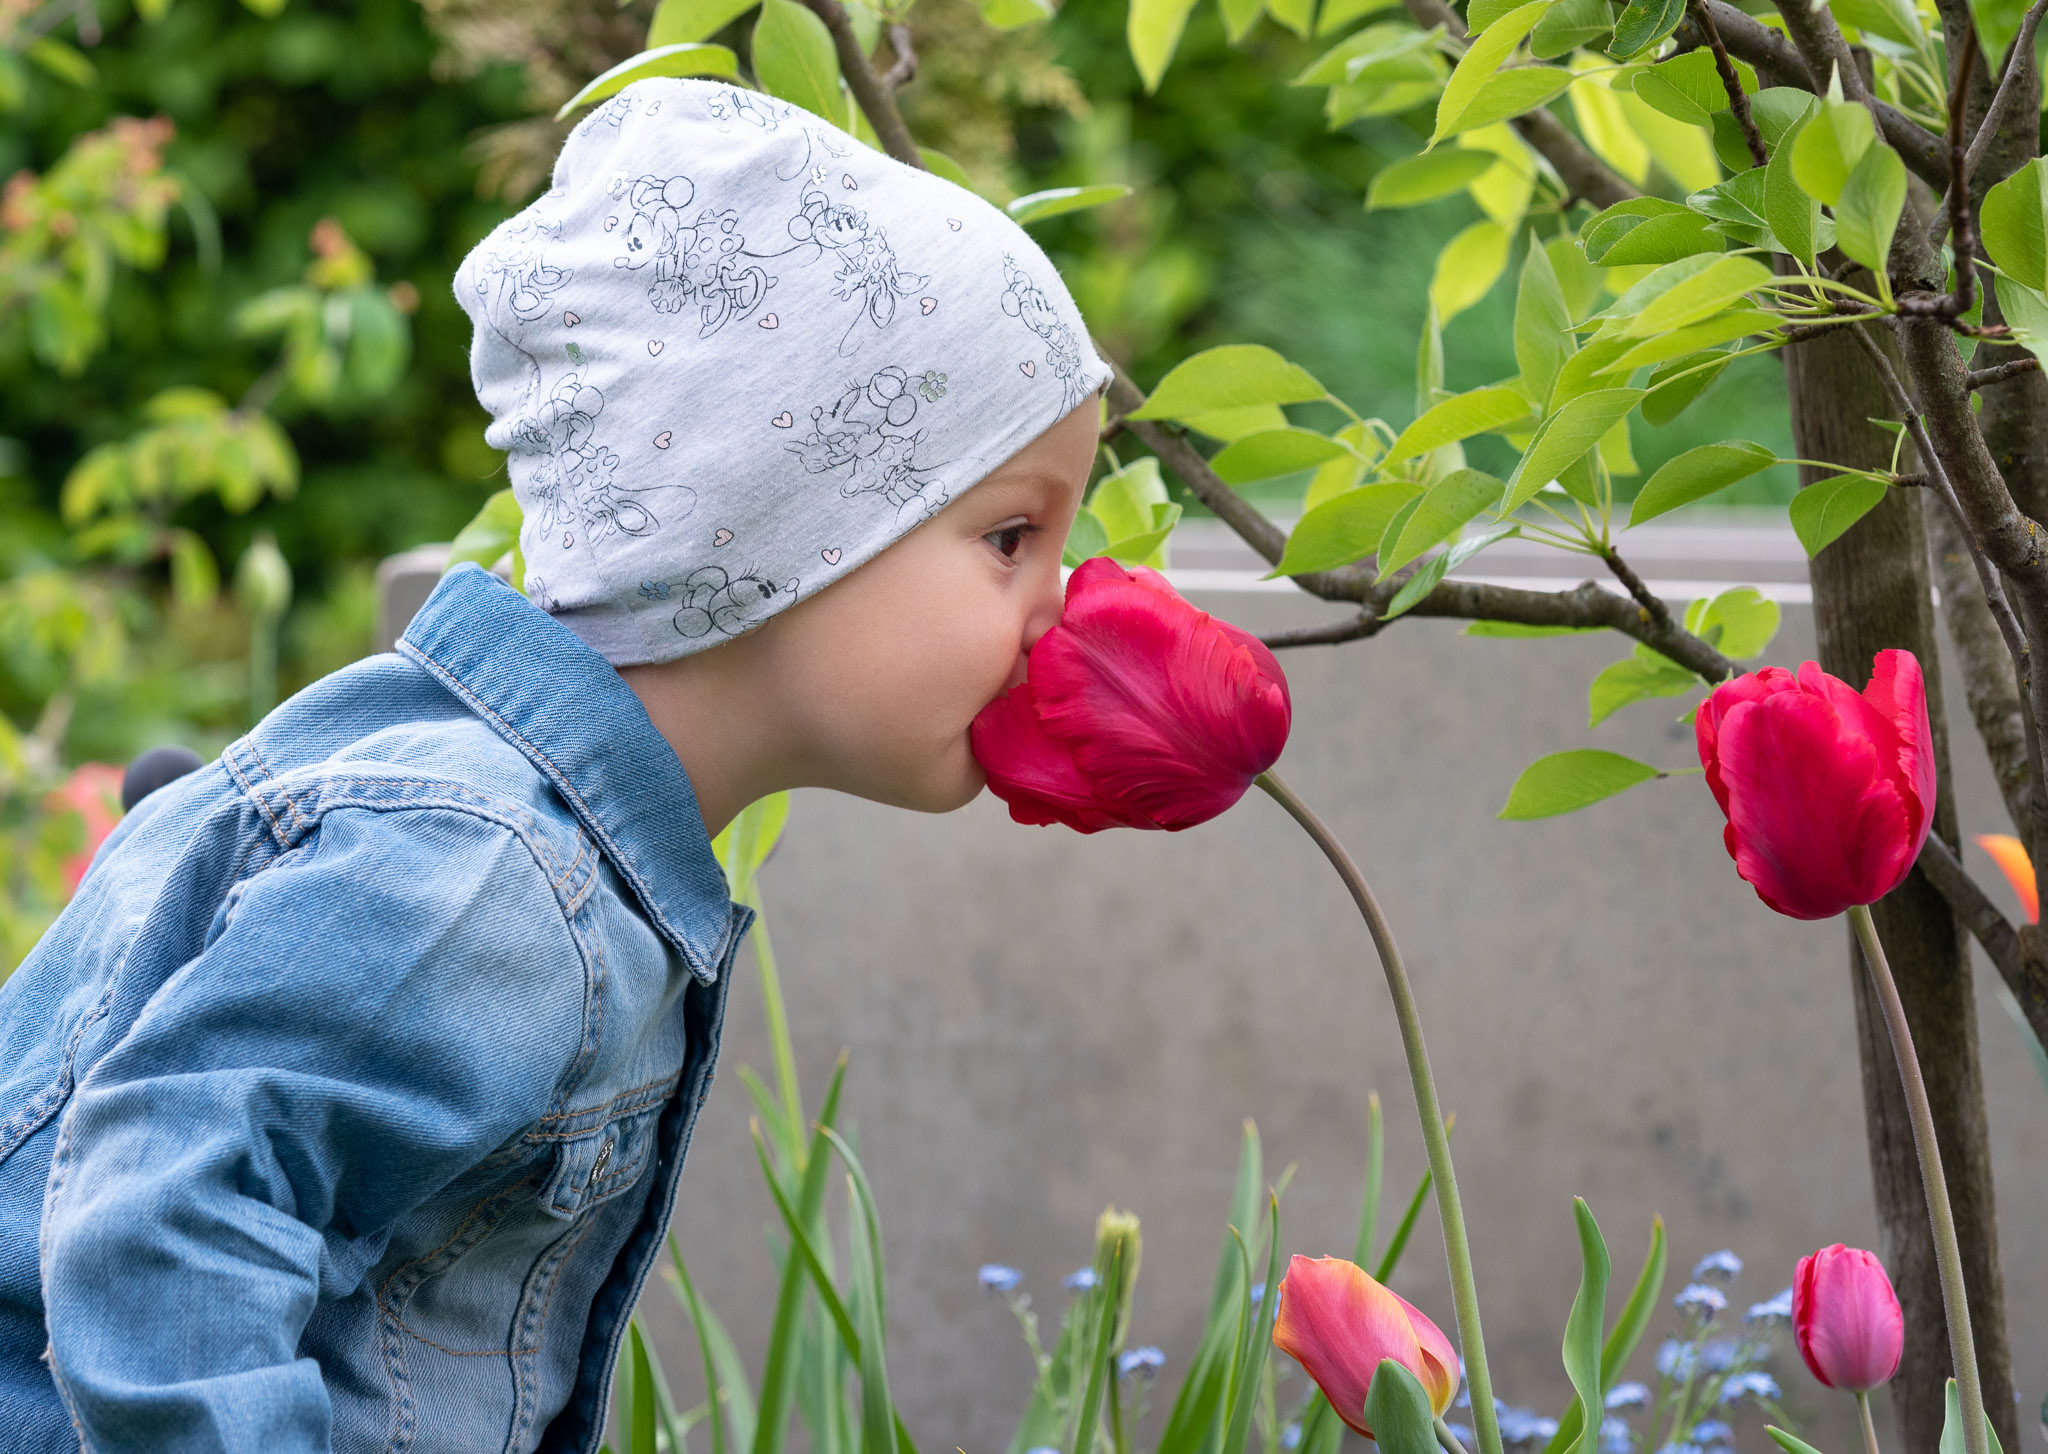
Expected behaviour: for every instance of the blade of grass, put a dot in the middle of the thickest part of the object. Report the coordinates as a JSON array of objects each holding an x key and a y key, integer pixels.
[
  {"x": 777, "y": 1018},
  {"x": 1195, "y": 1423},
  {"x": 1107, "y": 1281},
  {"x": 637, "y": 1436},
  {"x": 771, "y": 1430},
  {"x": 877, "y": 1422},
  {"x": 1628, "y": 1332},
  {"x": 1251, "y": 1358},
  {"x": 725, "y": 1377},
  {"x": 1415, "y": 1203}
]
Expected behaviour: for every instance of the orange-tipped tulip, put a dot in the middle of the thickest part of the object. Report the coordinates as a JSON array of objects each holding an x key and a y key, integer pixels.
[
  {"x": 1338, "y": 1323},
  {"x": 2012, "y": 861}
]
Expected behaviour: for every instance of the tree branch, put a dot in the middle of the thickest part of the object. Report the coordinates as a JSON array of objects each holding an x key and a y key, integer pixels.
[
  {"x": 1998, "y": 373},
  {"x": 1738, "y": 99},
  {"x": 870, "y": 92},
  {"x": 2016, "y": 954},
  {"x": 1989, "y": 684},
  {"x": 2018, "y": 61},
  {"x": 1585, "y": 175}
]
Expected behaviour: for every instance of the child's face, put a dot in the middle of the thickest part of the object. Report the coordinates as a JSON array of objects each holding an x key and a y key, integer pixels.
[{"x": 880, "y": 674}]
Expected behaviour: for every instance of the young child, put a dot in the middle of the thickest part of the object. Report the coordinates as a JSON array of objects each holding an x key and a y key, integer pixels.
[{"x": 343, "y": 1107}]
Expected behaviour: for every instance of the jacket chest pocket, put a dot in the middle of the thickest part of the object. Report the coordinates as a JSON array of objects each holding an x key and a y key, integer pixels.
[{"x": 598, "y": 1163}]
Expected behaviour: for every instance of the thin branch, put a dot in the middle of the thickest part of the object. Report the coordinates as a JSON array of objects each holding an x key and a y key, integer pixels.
[
  {"x": 2018, "y": 60},
  {"x": 1820, "y": 44},
  {"x": 2015, "y": 953},
  {"x": 874, "y": 97},
  {"x": 1645, "y": 597},
  {"x": 1738, "y": 99},
  {"x": 1990, "y": 686},
  {"x": 1999, "y": 373},
  {"x": 1585, "y": 176},
  {"x": 906, "y": 58},
  {"x": 1954, "y": 216}
]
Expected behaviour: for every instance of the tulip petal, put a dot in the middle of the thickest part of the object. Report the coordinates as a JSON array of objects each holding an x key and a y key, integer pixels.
[
  {"x": 1846, "y": 1319},
  {"x": 1749, "y": 687},
  {"x": 1036, "y": 774},
  {"x": 1338, "y": 1323},
  {"x": 1439, "y": 1374},
  {"x": 1898, "y": 695},
  {"x": 1816, "y": 825},
  {"x": 1166, "y": 709},
  {"x": 2011, "y": 857}
]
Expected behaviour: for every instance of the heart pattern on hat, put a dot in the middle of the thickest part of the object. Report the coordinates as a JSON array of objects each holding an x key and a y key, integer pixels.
[
  {"x": 1030, "y": 368},
  {"x": 926, "y": 305},
  {"x": 654, "y": 346},
  {"x": 846, "y": 180},
  {"x": 768, "y": 320},
  {"x": 783, "y": 420},
  {"x": 721, "y": 536},
  {"x": 661, "y": 440},
  {"x": 570, "y": 320},
  {"x": 954, "y": 223},
  {"x": 611, "y": 224},
  {"x": 831, "y": 557}
]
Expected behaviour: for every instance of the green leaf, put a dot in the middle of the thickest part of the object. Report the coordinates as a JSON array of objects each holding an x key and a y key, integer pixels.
[
  {"x": 1418, "y": 179},
  {"x": 66, "y": 62},
  {"x": 1446, "y": 509},
  {"x": 1516, "y": 631},
  {"x": 1418, "y": 586},
  {"x": 1773, "y": 109},
  {"x": 1248, "y": 1377},
  {"x": 1489, "y": 48},
  {"x": 1273, "y": 452},
  {"x": 1952, "y": 1426},
  {"x": 1790, "y": 1443},
  {"x": 1739, "y": 622},
  {"x": 1229, "y": 424},
  {"x": 1828, "y": 147},
  {"x": 1791, "y": 210},
  {"x": 1647, "y": 230},
  {"x": 1563, "y": 437},
  {"x": 1894, "y": 20},
  {"x": 1153, "y": 31},
  {"x": 1342, "y": 530},
  {"x": 1085, "y": 537},
  {"x": 1700, "y": 296},
  {"x": 1867, "y": 212},
  {"x": 679, "y": 21},
  {"x": 1375, "y": 1170},
  {"x": 714, "y": 1375},
  {"x": 941, "y": 165},
  {"x": 1543, "y": 324},
  {"x": 795, "y": 59},
  {"x": 744, "y": 844},
  {"x": 1635, "y": 678},
  {"x": 1568, "y": 25},
  {"x": 1010, "y": 14},
  {"x": 1126, "y": 501},
  {"x": 1391, "y": 50},
  {"x": 1643, "y": 24},
  {"x": 1468, "y": 267},
  {"x": 1583, "y": 1329},
  {"x": 1698, "y": 473},
  {"x": 1628, "y": 1331},
  {"x": 685, "y": 58},
  {"x": 1688, "y": 87},
  {"x": 1234, "y": 376},
  {"x": 1678, "y": 383},
  {"x": 1037, "y": 206},
  {"x": 1398, "y": 1411},
  {"x": 1509, "y": 93},
  {"x": 1821, "y": 512},
  {"x": 1690, "y": 340},
  {"x": 2015, "y": 220},
  {"x": 637, "y": 1402},
  {"x": 1481, "y": 411},
  {"x": 493, "y": 531},
  {"x": 1197, "y": 1412},
  {"x": 2026, "y": 313},
  {"x": 1564, "y": 782}
]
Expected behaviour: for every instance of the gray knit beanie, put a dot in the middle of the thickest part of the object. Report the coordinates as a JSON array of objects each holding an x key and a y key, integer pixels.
[{"x": 733, "y": 352}]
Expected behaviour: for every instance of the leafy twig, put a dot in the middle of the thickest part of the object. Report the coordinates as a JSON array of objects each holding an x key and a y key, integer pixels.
[
  {"x": 871, "y": 93},
  {"x": 1998, "y": 373},
  {"x": 1738, "y": 99}
]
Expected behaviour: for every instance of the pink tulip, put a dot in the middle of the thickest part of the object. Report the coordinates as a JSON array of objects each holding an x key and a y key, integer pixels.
[
  {"x": 1338, "y": 1323},
  {"x": 1846, "y": 1318},
  {"x": 93, "y": 791},
  {"x": 1138, "y": 711},
  {"x": 1829, "y": 792}
]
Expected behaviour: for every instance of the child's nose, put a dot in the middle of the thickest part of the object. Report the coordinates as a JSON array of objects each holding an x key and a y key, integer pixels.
[{"x": 1044, "y": 614}]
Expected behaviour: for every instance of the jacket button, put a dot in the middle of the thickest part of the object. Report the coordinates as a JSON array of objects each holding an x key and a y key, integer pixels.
[{"x": 604, "y": 1159}]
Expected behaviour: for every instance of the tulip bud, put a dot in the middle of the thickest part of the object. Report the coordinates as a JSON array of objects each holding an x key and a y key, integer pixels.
[
  {"x": 1846, "y": 1318},
  {"x": 1116, "y": 1254},
  {"x": 263, "y": 578},
  {"x": 1338, "y": 1323}
]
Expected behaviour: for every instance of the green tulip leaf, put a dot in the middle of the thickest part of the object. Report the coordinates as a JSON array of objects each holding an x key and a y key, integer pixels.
[
  {"x": 1621, "y": 1343},
  {"x": 1790, "y": 1443},
  {"x": 1588, "y": 1320},
  {"x": 1398, "y": 1412},
  {"x": 1952, "y": 1426},
  {"x": 1821, "y": 512},
  {"x": 1565, "y": 782}
]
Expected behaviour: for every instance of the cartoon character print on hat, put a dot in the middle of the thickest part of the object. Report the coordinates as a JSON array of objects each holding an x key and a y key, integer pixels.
[
  {"x": 867, "y": 265},
  {"x": 1023, "y": 299},
  {"x": 519, "y": 270},
  {"x": 574, "y": 482},
  {"x": 711, "y": 600},
  {"x": 866, "y": 440},
  {"x": 705, "y": 260}
]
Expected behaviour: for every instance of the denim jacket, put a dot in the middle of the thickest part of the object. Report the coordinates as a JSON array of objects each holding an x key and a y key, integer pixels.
[{"x": 343, "y": 1106}]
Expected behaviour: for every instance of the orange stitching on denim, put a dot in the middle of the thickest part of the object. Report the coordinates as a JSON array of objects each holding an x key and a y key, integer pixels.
[
  {"x": 249, "y": 792},
  {"x": 303, "y": 826},
  {"x": 411, "y": 1332},
  {"x": 453, "y": 1237},
  {"x": 604, "y": 1106}
]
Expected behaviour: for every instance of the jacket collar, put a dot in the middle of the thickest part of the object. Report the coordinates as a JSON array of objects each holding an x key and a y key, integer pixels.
[{"x": 576, "y": 720}]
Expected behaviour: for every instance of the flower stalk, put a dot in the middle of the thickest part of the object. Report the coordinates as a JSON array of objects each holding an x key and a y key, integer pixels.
[
  {"x": 1948, "y": 1254},
  {"x": 1869, "y": 1426},
  {"x": 1436, "y": 1141}
]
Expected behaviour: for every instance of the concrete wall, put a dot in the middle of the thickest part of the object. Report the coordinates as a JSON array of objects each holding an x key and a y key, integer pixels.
[{"x": 1042, "y": 1023}]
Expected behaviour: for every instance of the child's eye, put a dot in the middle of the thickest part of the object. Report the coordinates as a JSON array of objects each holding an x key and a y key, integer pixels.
[{"x": 1010, "y": 539}]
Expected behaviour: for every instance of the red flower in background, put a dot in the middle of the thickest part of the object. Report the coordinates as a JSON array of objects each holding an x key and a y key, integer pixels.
[
  {"x": 1338, "y": 1323},
  {"x": 1140, "y": 711},
  {"x": 1829, "y": 792},
  {"x": 1846, "y": 1318},
  {"x": 93, "y": 791},
  {"x": 2011, "y": 857}
]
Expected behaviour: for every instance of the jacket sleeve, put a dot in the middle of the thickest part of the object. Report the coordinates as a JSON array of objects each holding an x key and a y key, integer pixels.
[{"x": 389, "y": 1003}]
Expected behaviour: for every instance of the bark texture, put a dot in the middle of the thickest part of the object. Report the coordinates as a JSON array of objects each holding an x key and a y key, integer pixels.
[{"x": 1871, "y": 591}]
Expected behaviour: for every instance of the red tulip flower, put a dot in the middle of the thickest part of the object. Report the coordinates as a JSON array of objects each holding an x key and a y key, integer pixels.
[
  {"x": 1139, "y": 711},
  {"x": 1846, "y": 1318},
  {"x": 1338, "y": 1323},
  {"x": 93, "y": 791},
  {"x": 1829, "y": 792}
]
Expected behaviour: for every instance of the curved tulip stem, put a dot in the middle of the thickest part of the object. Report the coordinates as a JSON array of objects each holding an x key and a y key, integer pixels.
[
  {"x": 1948, "y": 1256},
  {"x": 1869, "y": 1428},
  {"x": 1446, "y": 1440},
  {"x": 1457, "y": 1250}
]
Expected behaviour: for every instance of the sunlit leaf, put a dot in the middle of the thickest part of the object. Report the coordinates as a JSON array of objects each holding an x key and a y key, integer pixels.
[
  {"x": 1696, "y": 474},
  {"x": 1821, "y": 512},
  {"x": 1564, "y": 782}
]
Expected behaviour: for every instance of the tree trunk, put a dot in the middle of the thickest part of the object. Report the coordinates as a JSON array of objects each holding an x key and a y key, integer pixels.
[{"x": 1871, "y": 591}]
